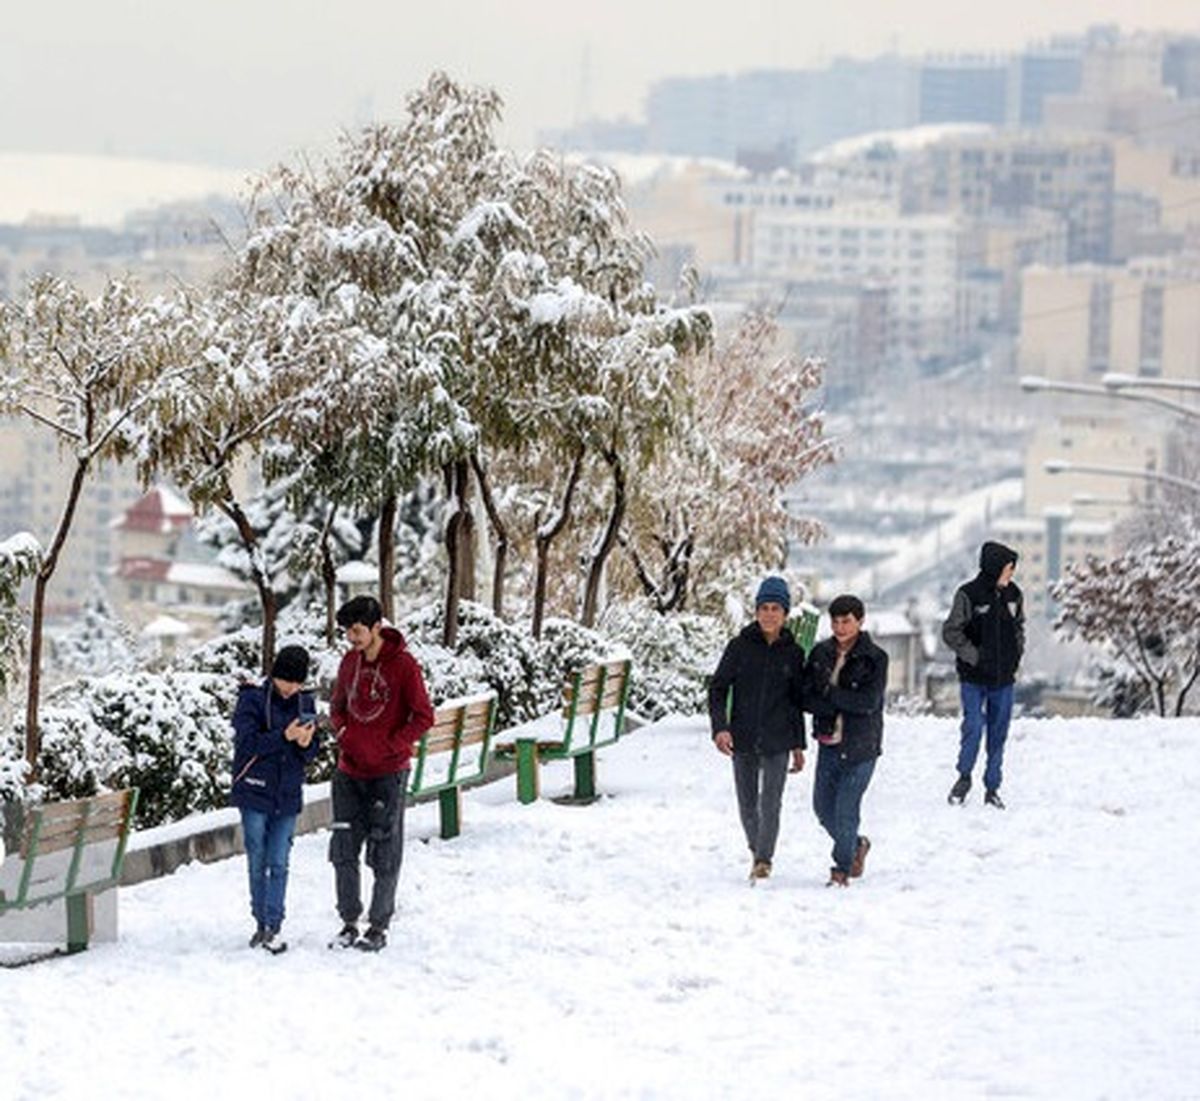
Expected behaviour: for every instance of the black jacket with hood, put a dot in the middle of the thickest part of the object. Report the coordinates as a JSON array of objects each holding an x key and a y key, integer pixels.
[
  {"x": 858, "y": 696},
  {"x": 764, "y": 715},
  {"x": 986, "y": 625}
]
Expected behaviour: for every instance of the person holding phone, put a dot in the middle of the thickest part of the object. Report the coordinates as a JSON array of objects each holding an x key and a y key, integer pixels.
[{"x": 274, "y": 727}]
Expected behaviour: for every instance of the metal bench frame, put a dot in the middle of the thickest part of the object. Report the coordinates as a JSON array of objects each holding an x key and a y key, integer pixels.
[
  {"x": 72, "y": 826},
  {"x": 597, "y": 691},
  {"x": 457, "y": 725}
]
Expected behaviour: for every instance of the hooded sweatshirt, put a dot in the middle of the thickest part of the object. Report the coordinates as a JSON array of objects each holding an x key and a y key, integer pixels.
[
  {"x": 986, "y": 625},
  {"x": 381, "y": 709}
]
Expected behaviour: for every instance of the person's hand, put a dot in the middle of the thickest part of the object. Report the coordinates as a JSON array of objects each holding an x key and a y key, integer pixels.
[
  {"x": 797, "y": 760},
  {"x": 305, "y": 734},
  {"x": 724, "y": 742}
]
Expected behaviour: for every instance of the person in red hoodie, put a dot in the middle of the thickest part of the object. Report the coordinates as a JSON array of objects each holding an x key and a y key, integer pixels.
[{"x": 379, "y": 711}]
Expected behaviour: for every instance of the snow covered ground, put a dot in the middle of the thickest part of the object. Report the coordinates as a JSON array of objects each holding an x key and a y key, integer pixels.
[{"x": 1046, "y": 951}]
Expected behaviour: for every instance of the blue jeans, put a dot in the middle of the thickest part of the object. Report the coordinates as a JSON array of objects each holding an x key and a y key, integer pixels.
[
  {"x": 838, "y": 789},
  {"x": 982, "y": 703},
  {"x": 268, "y": 839}
]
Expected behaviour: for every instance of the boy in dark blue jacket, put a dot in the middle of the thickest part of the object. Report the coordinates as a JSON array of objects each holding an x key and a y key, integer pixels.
[
  {"x": 754, "y": 708},
  {"x": 845, "y": 683},
  {"x": 274, "y": 727}
]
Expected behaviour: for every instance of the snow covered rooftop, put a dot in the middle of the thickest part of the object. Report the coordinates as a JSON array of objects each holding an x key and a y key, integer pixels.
[
  {"x": 907, "y": 140},
  {"x": 160, "y": 510}
]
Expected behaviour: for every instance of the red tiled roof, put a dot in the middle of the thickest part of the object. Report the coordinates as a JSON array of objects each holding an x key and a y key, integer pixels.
[{"x": 157, "y": 511}]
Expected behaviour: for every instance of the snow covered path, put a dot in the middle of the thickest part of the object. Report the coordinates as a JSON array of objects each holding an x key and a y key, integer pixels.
[{"x": 1047, "y": 951}]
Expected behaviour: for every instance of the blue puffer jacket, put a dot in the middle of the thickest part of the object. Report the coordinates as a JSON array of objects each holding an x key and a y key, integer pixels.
[{"x": 268, "y": 770}]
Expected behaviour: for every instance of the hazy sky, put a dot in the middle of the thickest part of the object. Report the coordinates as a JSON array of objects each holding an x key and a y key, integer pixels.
[{"x": 246, "y": 82}]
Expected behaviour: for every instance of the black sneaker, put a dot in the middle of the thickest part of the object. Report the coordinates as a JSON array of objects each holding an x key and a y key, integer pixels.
[
  {"x": 992, "y": 798},
  {"x": 373, "y": 940},
  {"x": 272, "y": 942},
  {"x": 347, "y": 937},
  {"x": 962, "y": 785},
  {"x": 259, "y": 933}
]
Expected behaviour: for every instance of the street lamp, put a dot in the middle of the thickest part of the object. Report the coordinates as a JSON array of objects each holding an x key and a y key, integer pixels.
[
  {"x": 1113, "y": 390},
  {"x": 1064, "y": 466},
  {"x": 1122, "y": 382}
]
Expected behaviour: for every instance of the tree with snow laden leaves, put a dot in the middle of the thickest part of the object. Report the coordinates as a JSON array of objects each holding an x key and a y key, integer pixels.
[
  {"x": 712, "y": 507},
  {"x": 1144, "y": 607},
  {"x": 92, "y": 372},
  {"x": 364, "y": 250}
]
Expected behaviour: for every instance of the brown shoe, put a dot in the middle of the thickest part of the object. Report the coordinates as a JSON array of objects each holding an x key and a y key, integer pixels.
[
  {"x": 860, "y": 857},
  {"x": 761, "y": 869},
  {"x": 837, "y": 879}
]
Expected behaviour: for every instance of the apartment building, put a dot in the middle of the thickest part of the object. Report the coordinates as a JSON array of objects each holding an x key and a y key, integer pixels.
[
  {"x": 915, "y": 257},
  {"x": 1083, "y": 321}
]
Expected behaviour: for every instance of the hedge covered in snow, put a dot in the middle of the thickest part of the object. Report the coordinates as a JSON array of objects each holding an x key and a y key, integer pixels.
[{"x": 168, "y": 732}]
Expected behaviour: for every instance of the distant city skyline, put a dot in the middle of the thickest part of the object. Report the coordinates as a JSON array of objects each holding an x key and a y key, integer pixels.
[{"x": 247, "y": 83}]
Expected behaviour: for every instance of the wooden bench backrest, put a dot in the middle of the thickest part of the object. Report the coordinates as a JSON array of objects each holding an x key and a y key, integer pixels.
[
  {"x": 462, "y": 724},
  {"x": 599, "y": 687},
  {"x": 456, "y": 726},
  {"x": 72, "y": 846},
  {"x": 56, "y": 826}
]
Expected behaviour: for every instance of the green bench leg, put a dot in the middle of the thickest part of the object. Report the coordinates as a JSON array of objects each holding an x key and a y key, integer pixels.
[
  {"x": 78, "y": 922},
  {"x": 585, "y": 776},
  {"x": 450, "y": 805},
  {"x": 527, "y": 771}
]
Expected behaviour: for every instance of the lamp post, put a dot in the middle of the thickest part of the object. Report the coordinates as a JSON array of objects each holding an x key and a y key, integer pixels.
[
  {"x": 1120, "y": 388},
  {"x": 1065, "y": 466},
  {"x": 1117, "y": 382}
]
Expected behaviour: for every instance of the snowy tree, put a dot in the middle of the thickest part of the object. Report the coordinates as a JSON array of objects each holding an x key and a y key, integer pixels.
[
  {"x": 1144, "y": 608},
  {"x": 712, "y": 507},
  {"x": 90, "y": 371},
  {"x": 96, "y": 641}
]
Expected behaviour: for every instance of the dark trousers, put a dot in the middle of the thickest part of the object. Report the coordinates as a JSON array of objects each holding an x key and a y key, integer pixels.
[
  {"x": 838, "y": 789},
  {"x": 369, "y": 812},
  {"x": 759, "y": 780}
]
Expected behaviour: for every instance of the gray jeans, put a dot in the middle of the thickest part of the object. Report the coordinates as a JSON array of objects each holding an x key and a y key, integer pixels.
[
  {"x": 369, "y": 812},
  {"x": 759, "y": 779}
]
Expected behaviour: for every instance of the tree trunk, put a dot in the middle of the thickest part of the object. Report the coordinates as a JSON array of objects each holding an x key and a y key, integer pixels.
[
  {"x": 459, "y": 529},
  {"x": 608, "y": 540},
  {"x": 387, "y": 556},
  {"x": 262, "y": 582},
  {"x": 33, "y": 735},
  {"x": 329, "y": 579},
  {"x": 546, "y": 534},
  {"x": 500, "y": 548}
]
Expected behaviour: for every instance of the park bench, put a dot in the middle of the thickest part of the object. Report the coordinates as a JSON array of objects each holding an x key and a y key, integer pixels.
[
  {"x": 453, "y": 752},
  {"x": 592, "y": 716},
  {"x": 69, "y": 851}
]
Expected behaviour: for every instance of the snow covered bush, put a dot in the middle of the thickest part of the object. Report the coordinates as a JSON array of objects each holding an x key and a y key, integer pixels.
[
  {"x": 173, "y": 729},
  {"x": 78, "y": 756},
  {"x": 489, "y": 655},
  {"x": 20, "y": 557},
  {"x": 96, "y": 642},
  {"x": 672, "y": 657}
]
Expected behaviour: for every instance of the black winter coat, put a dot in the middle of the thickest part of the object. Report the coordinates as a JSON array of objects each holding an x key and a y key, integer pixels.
[
  {"x": 858, "y": 696},
  {"x": 986, "y": 625},
  {"x": 268, "y": 770},
  {"x": 765, "y": 716}
]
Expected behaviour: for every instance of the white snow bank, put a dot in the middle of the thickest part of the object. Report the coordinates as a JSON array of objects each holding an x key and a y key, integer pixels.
[{"x": 616, "y": 950}]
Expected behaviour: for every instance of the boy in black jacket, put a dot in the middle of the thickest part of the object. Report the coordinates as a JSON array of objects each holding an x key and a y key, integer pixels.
[
  {"x": 754, "y": 707},
  {"x": 986, "y": 631},
  {"x": 845, "y": 682}
]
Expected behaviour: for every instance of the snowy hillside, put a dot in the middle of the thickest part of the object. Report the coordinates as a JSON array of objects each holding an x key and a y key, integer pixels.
[{"x": 1046, "y": 951}]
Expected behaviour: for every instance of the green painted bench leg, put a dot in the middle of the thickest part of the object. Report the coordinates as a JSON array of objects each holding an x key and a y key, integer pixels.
[
  {"x": 527, "y": 770},
  {"x": 585, "y": 776},
  {"x": 79, "y": 922},
  {"x": 450, "y": 805}
]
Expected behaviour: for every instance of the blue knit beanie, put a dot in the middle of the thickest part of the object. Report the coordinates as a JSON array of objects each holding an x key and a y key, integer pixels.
[{"x": 774, "y": 590}]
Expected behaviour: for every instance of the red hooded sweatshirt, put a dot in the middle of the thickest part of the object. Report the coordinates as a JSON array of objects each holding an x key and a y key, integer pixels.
[{"x": 380, "y": 709}]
